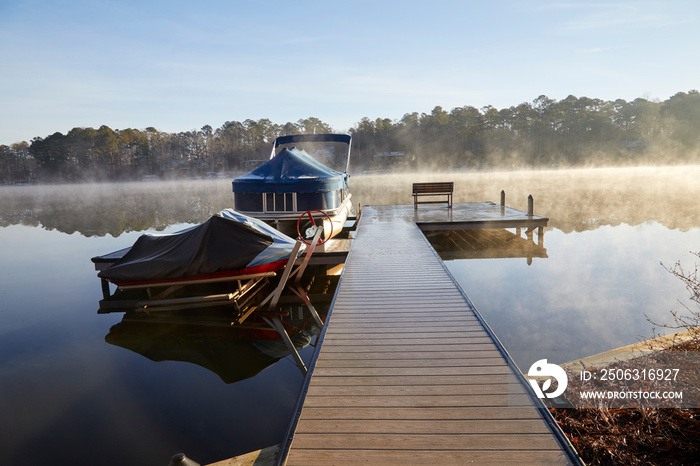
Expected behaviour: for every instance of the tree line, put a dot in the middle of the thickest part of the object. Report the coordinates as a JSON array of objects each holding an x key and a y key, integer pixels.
[
  {"x": 546, "y": 132},
  {"x": 112, "y": 154}
]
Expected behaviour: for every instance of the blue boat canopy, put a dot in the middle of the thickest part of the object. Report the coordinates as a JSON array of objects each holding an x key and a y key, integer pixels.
[{"x": 291, "y": 170}]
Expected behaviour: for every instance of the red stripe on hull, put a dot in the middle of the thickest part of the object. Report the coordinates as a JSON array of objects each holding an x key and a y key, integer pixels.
[{"x": 262, "y": 268}]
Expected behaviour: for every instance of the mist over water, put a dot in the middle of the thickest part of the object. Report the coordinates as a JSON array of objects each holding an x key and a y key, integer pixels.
[
  {"x": 114, "y": 208},
  {"x": 65, "y": 388},
  {"x": 573, "y": 199}
]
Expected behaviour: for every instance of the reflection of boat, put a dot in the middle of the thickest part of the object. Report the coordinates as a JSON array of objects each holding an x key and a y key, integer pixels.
[
  {"x": 228, "y": 244},
  {"x": 221, "y": 350},
  {"x": 293, "y": 182}
]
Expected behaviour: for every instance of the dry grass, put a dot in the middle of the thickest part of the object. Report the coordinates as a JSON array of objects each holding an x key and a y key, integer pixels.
[{"x": 633, "y": 436}]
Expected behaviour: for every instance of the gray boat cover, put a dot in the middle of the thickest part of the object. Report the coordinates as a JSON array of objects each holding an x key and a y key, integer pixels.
[{"x": 229, "y": 242}]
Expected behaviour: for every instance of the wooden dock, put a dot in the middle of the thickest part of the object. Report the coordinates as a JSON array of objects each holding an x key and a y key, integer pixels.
[{"x": 408, "y": 373}]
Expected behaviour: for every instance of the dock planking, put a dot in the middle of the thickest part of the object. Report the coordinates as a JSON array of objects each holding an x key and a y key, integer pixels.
[{"x": 407, "y": 373}]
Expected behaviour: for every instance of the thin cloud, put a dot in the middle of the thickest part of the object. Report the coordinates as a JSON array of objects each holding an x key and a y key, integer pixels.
[
  {"x": 596, "y": 50},
  {"x": 597, "y": 16}
]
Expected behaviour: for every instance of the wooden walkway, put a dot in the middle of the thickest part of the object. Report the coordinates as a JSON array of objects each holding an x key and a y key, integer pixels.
[{"x": 407, "y": 374}]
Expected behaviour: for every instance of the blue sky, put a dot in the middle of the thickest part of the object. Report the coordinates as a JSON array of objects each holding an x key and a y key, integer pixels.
[{"x": 178, "y": 66}]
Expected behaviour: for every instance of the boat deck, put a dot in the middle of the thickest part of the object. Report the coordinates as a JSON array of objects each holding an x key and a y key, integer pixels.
[{"x": 407, "y": 372}]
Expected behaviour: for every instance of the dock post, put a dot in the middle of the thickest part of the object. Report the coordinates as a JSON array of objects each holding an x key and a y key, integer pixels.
[
  {"x": 503, "y": 198},
  {"x": 530, "y": 205}
]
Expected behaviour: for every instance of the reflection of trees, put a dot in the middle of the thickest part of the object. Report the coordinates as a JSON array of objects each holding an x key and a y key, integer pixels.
[
  {"x": 101, "y": 209},
  {"x": 574, "y": 200}
]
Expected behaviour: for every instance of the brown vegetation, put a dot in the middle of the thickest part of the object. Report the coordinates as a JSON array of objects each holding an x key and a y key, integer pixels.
[
  {"x": 651, "y": 435},
  {"x": 626, "y": 436}
]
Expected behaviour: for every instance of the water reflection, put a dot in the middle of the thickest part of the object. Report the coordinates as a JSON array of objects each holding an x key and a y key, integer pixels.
[
  {"x": 227, "y": 352},
  {"x": 485, "y": 244},
  {"x": 574, "y": 200},
  {"x": 232, "y": 342},
  {"x": 63, "y": 388},
  {"x": 113, "y": 209},
  {"x": 591, "y": 295}
]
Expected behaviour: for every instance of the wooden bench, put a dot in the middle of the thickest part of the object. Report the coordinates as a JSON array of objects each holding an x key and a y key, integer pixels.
[{"x": 433, "y": 189}]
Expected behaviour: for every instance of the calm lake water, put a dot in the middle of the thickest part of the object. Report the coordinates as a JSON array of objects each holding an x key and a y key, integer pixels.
[{"x": 68, "y": 396}]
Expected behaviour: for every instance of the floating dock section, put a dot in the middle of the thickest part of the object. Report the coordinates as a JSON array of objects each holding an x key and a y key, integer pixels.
[{"x": 408, "y": 372}]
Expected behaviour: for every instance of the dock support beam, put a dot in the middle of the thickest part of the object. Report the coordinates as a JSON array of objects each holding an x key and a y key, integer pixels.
[
  {"x": 105, "y": 288},
  {"x": 297, "y": 289},
  {"x": 271, "y": 301},
  {"x": 275, "y": 323}
]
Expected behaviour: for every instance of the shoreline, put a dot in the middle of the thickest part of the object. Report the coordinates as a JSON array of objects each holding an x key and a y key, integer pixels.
[{"x": 633, "y": 351}]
